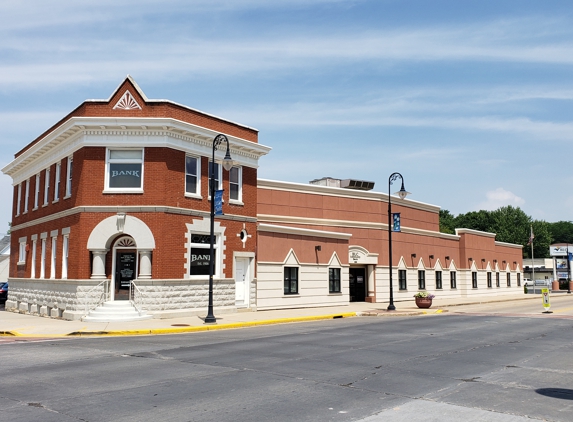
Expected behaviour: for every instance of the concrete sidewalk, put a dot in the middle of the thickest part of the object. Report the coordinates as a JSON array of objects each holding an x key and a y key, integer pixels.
[{"x": 12, "y": 324}]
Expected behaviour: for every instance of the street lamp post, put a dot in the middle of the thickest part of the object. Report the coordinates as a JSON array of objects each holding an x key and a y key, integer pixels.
[
  {"x": 227, "y": 164},
  {"x": 402, "y": 193}
]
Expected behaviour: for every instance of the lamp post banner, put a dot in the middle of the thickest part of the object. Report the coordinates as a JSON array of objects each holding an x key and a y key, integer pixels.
[
  {"x": 219, "y": 202},
  {"x": 395, "y": 221}
]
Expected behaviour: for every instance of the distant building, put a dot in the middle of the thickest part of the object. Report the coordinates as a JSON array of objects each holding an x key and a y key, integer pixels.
[{"x": 4, "y": 258}]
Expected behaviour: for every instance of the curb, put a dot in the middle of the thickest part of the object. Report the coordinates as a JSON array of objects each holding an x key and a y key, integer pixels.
[{"x": 213, "y": 327}]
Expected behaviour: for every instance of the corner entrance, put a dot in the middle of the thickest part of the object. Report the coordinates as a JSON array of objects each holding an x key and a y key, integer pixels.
[
  {"x": 357, "y": 279},
  {"x": 125, "y": 267}
]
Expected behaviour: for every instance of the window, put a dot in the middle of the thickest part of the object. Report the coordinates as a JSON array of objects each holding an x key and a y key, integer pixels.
[
  {"x": 217, "y": 172},
  {"x": 474, "y": 279},
  {"x": 22, "y": 251},
  {"x": 518, "y": 279},
  {"x": 69, "y": 177},
  {"x": 33, "y": 263},
  {"x": 291, "y": 280},
  {"x": 37, "y": 192},
  {"x": 496, "y": 279},
  {"x": 43, "y": 259},
  {"x": 333, "y": 280},
  {"x": 235, "y": 191},
  {"x": 124, "y": 170},
  {"x": 200, "y": 254},
  {"x": 26, "y": 195},
  {"x": 53, "y": 258},
  {"x": 402, "y": 281},
  {"x": 489, "y": 280},
  {"x": 19, "y": 199},
  {"x": 453, "y": 283},
  {"x": 57, "y": 182},
  {"x": 65, "y": 250},
  {"x": 508, "y": 279},
  {"x": 438, "y": 279},
  {"x": 46, "y": 186},
  {"x": 421, "y": 279},
  {"x": 192, "y": 175}
]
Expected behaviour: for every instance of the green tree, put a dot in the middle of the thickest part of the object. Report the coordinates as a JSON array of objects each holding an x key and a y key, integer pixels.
[
  {"x": 510, "y": 225},
  {"x": 475, "y": 220},
  {"x": 541, "y": 241},
  {"x": 561, "y": 232},
  {"x": 447, "y": 222}
]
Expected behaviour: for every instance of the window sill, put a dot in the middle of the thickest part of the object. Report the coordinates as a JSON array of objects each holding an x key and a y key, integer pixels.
[
  {"x": 35, "y": 209},
  {"x": 193, "y": 196},
  {"x": 55, "y": 201},
  {"x": 235, "y": 202},
  {"x": 21, "y": 263},
  {"x": 67, "y": 196},
  {"x": 122, "y": 191},
  {"x": 291, "y": 295},
  {"x": 334, "y": 293}
]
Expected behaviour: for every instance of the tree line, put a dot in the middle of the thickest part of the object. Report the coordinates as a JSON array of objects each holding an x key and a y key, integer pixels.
[{"x": 511, "y": 225}]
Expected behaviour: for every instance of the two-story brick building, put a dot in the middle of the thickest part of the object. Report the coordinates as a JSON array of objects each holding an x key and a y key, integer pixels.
[{"x": 115, "y": 197}]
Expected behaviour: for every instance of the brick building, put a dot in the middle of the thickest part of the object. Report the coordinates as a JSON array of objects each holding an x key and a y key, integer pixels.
[{"x": 115, "y": 197}]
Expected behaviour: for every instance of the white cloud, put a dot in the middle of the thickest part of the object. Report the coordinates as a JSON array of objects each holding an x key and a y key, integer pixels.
[{"x": 499, "y": 198}]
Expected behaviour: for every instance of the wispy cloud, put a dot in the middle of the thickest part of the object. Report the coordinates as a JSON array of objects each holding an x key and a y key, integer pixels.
[{"x": 500, "y": 197}]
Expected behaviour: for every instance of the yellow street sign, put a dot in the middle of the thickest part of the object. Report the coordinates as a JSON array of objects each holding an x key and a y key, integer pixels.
[{"x": 545, "y": 297}]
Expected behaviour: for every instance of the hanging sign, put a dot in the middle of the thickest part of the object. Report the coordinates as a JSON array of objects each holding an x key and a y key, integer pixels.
[
  {"x": 545, "y": 297},
  {"x": 396, "y": 222},
  {"x": 219, "y": 202}
]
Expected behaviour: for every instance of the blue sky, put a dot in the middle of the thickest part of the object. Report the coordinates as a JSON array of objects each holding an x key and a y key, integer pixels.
[{"x": 471, "y": 101}]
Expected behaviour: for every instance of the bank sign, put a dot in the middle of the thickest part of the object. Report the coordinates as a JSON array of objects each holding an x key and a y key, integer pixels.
[
  {"x": 200, "y": 261},
  {"x": 125, "y": 175},
  {"x": 559, "y": 250}
]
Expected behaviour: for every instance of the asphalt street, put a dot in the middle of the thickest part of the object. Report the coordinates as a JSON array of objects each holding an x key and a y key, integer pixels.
[{"x": 445, "y": 367}]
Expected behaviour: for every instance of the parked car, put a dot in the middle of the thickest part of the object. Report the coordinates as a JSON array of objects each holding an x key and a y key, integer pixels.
[{"x": 3, "y": 291}]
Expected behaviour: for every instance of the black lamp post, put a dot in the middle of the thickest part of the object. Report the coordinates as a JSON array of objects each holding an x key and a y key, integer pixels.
[
  {"x": 402, "y": 193},
  {"x": 227, "y": 164}
]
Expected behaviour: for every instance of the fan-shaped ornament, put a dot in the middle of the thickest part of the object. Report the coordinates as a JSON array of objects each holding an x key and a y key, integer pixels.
[{"x": 127, "y": 102}]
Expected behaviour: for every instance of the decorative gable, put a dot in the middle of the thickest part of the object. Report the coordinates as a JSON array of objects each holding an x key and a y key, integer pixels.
[{"x": 127, "y": 102}]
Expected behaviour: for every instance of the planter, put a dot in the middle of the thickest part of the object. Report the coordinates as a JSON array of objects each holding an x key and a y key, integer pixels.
[{"x": 423, "y": 302}]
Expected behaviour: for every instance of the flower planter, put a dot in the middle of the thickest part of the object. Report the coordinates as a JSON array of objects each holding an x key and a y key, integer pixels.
[{"x": 423, "y": 302}]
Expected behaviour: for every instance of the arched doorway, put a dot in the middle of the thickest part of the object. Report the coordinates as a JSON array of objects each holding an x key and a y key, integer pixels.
[{"x": 124, "y": 267}]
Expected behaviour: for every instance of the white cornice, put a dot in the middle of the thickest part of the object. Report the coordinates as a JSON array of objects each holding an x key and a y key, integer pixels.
[
  {"x": 78, "y": 132},
  {"x": 273, "y": 228},
  {"x": 474, "y": 232},
  {"x": 342, "y": 192},
  {"x": 509, "y": 245}
]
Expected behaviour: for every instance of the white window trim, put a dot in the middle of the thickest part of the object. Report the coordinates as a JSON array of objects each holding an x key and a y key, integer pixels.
[
  {"x": 109, "y": 161},
  {"x": 46, "y": 187},
  {"x": 240, "y": 183},
  {"x": 22, "y": 251},
  {"x": 43, "y": 256},
  {"x": 33, "y": 260},
  {"x": 26, "y": 196},
  {"x": 18, "y": 203},
  {"x": 53, "y": 254},
  {"x": 69, "y": 174},
  {"x": 37, "y": 193},
  {"x": 202, "y": 227},
  {"x": 57, "y": 181},
  {"x": 197, "y": 194},
  {"x": 65, "y": 251}
]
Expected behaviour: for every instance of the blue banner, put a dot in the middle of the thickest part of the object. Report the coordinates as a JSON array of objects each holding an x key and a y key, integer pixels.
[
  {"x": 395, "y": 221},
  {"x": 219, "y": 202}
]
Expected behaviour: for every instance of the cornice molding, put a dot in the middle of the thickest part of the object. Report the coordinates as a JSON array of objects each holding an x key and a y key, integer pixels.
[
  {"x": 78, "y": 132},
  {"x": 273, "y": 228},
  {"x": 131, "y": 210}
]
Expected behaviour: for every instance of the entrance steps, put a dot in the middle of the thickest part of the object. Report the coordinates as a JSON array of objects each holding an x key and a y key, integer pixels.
[{"x": 115, "y": 310}]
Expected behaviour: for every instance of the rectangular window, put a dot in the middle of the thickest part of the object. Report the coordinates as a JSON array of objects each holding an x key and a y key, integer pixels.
[
  {"x": 438, "y": 279},
  {"x": 489, "y": 279},
  {"x": 235, "y": 191},
  {"x": 508, "y": 279},
  {"x": 43, "y": 260},
  {"x": 19, "y": 199},
  {"x": 453, "y": 282},
  {"x": 200, "y": 254},
  {"x": 215, "y": 169},
  {"x": 22, "y": 251},
  {"x": 26, "y": 195},
  {"x": 496, "y": 279},
  {"x": 57, "y": 182},
  {"x": 518, "y": 279},
  {"x": 37, "y": 192},
  {"x": 421, "y": 279},
  {"x": 33, "y": 260},
  {"x": 69, "y": 177},
  {"x": 474, "y": 279},
  {"x": 291, "y": 280},
  {"x": 192, "y": 175},
  {"x": 46, "y": 186},
  {"x": 65, "y": 250},
  {"x": 124, "y": 170},
  {"x": 333, "y": 280},
  {"x": 53, "y": 259},
  {"x": 402, "y": 281}
]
